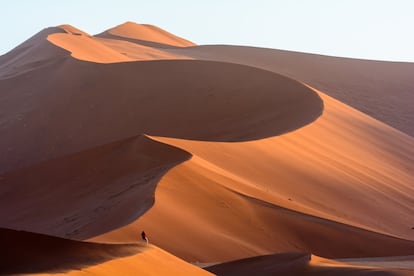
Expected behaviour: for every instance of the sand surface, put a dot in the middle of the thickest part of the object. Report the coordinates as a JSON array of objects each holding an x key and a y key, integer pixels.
[
  {"x": 36, "y": 254},
  {"x": 383, "y": 90},
  {"x": 298, "y": 264},
  {"x": 219, "y": 152}
]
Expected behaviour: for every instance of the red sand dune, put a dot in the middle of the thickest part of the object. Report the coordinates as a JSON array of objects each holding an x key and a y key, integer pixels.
[
  {"x": 110, "y": 102},
  {"x": 296, "y": 264},
  {"x": 381, "y": 89},
  {"x": 244, "y": 156},
  {"x": 30, "y": 253},
  {"x": 87, "y": 188},
  {"x": 145, "y": 34}
]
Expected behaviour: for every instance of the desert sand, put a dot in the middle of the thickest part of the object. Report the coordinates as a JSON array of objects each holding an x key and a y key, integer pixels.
[
  {"x": 30, "y": 253},
  {"x": 259, "y": 161}
]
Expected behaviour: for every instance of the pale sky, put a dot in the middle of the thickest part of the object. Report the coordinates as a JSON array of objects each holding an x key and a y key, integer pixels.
[{"x": 370, "y": 29}]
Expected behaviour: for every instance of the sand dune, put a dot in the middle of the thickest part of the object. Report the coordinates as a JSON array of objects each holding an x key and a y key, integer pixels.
[
  {"x": 383, "y": 90},
  {"x": 245, "y": 157},
  {"x": 296, "y": 264},
  {"x": 109, "y": 102},
  {"x": 395, "y": 262},
  {"x": 333, "y": 168},
  {"x": 145, "y": 34},
  {"x": 29, "y": 253},
  {"x": 136, "y": 51},
  {"x": 87, "y": 190},
  {"x": 102, "y": 50},
  {"x": 87, "y": 48},
  {"x": 31, "y": 55}
]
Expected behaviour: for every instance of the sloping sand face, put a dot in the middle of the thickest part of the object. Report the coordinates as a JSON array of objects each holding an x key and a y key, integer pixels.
[
  {"x": 109, "y": 102},
  {"x": 145, "y": 34},
  {"x": 296, "y": 264},
  {"x": 381, "y": 89},
  {"x": 29, "y": 253},
  {"x": 335, "y": 169},
  {"x": 105, "y": 50},
  {"x": 79, "y": 106},
  {"x": 87, "y": 193},
  {"x": 247, "y": 162}
]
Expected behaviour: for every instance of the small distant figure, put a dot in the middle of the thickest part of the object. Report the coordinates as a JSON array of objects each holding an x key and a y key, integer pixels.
[{"x": 144, "y": 237}]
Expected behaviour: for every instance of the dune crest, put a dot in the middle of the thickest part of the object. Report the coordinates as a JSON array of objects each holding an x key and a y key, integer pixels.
[
  {"x": 86, "y": 48},
  {"x": 381, "y": 89},
  {"x": 30, "y": 253},
  {"x": 332, "y": 169},
  {"x": 218, "y": 152},
  {"x": 109, "y": 102},
  {"x": 92, "y": 192},
  {"x": 145, "y": 34},
  {"x": 82, "y": 46}
]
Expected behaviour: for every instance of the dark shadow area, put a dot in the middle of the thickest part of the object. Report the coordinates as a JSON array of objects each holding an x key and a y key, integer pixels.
[
  {"x": 277, "y": 264},
  {"x": 25, "y": 252},
  {"x": 137, "y": 41},
  {"x": 345, "y": 271},
  {"x": 289, "y": 264},
  {"x": 88, "y": 193}
]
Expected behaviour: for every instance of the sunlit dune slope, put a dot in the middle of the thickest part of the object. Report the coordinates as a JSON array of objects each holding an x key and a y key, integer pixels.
[
  {"x": 145, "y": 34},
  {"x": 345, "y": 167},
  {"x": 56, "y": 43},
  {"x": 29, "y": 253},
  {"x": 87, "y": 48},
  {"x": 102, "y": 50},
  {"x": 381, "y": 89}
]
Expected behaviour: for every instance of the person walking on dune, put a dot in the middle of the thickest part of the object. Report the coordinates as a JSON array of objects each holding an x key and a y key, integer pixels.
[{"x": 144, "y": 237}]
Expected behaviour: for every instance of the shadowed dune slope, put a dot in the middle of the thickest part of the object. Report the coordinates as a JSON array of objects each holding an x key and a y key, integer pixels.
[
  {"x": 28, "y": 253},
  {"x": 80, "y": 105},
  {"x": 32, "y": 54},
  {"x": 138, "y": 52},
  {"x": 87, "y": 193},
  {"x": 145, "y": 34},
  {"x": 281, "y": 264},
  {"x": 381, "y": 89},
  {"x": 296, "y": 264}
]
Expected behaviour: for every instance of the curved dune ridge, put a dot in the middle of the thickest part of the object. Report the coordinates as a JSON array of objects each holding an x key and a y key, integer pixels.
[
  {"x": 381, "y": 89},
  {"x": 29, "y": 253},
  {"x": 91, "y": 192},
  {"x": 109, "y": 102},
  {"x": 31, "y": 55},
  {"x": 145, "y": 34},
  {"x": 333, "y": 169},
  {"x": 219, "y": 152},
  {"x": 105, "y": 50}
]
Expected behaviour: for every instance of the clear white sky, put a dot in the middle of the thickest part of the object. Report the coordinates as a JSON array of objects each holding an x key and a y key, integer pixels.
[{"x": 372, "y": 29}]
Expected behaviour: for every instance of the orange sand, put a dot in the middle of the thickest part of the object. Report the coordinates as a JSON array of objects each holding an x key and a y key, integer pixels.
[{"x": 218, "y": 152}]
